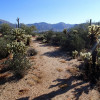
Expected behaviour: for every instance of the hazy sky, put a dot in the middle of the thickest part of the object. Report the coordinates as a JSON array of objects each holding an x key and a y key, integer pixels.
[{"x": 51, "y": 11}]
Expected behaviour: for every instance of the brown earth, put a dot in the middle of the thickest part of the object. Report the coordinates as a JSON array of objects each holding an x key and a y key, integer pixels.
[{"x": 48, "y": 79}]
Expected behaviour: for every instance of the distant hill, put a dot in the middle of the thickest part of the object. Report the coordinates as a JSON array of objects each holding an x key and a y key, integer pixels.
[
  {"x": 55, "y": 27},
  {"x": 44, "y": 26},
  {"x": 3, "y": 21}
]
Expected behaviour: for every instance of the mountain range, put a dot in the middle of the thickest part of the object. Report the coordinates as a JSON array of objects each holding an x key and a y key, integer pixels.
[{"x": 43, "y": 26}]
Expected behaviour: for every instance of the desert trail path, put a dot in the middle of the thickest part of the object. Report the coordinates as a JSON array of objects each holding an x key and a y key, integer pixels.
[{"x": 48, "y": 79}]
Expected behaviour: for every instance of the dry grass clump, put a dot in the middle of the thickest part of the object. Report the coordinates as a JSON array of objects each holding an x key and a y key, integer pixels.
[
  {"x": 31, "y": 52},
  {"x": 31, "y": 83},
  {"x": 4, "y": 75},
  {"x": 32, "y": 57},
  {"x": 67, "y": 76},
  {"x": 23, "y": 91},
  {"x": 59, "y": 69},
  {"x": 35, "y": 67},
  {"x": 74, "y": 71},
  {"x": 37, "y": 79},
  {"x": 63, "y": 86},
  {"x": 63, "y": 61}
]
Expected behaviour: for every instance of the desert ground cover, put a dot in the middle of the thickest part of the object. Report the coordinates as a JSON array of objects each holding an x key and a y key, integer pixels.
[{"x": 49, "y": 78}]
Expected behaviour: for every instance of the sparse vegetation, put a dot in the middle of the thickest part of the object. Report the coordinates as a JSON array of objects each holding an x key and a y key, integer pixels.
[
  {"x": 31, "y": 52},
  {"x": 68, "y": 40},
  {"x": 19, "y": 65},
  {"x": 15, "y": 43},
  {"x": 77, "y": 40},
  {"x": 91, "y": 67},
  {"x": 50, "y": 51},
  {"x": 3, "y": 48}
]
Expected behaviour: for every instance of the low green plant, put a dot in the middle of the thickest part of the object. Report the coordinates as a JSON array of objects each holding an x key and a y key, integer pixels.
[
  {"x": 75, "y": 54},
  {"x": 31, "y": 52},
  {"x": 3, "y": 48},
  {"x": 48, "y": 36},
  {"x": 40, "y": 38},
  {"x": 19, "y": 65},
  {"x": 28, "y": 37}
]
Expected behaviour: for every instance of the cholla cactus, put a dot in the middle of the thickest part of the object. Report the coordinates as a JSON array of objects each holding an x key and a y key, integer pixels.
[
  {"x": 82, "y": 55},
  {"x": 75, "y": 31},
  {"x": 75, "y": 54},
  {"x": 18, "y": 34},
  {"x": 94, "y": 32},
  {"x": 86, "y": 56},
  {"x": 16, "y": 47},
  {"x": 94, "y": 29}
]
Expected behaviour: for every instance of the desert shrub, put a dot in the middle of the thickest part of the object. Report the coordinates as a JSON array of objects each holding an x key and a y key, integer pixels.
[
  {"x": 56, "y": 38},
  {"x": 28, "y": 30},
  {"x": 28, "y": 37},
  {"x": 72, "y": 42},
  {"x": 48, "y": 36},
  {"x": 3, "y": 48},
  {"x": 91, "y": 66},
  {"x": 19, "y": 65},
  {"x": 40, "y": 37},
  {"x": 18, "y": 35},
  {"x": 76, "y": 43},
  {"x": 64, "y": 43},
  {"x": 31, "y": 52},
  {"x": 16, "y": 47},
  {"x": 72, "y": 39},
  {"x": 5, "y": 29}
]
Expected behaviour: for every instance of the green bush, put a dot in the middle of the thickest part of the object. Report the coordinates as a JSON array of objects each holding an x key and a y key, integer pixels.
[
  {"x": 15, "y": 44},
  {"x": 56, "y": 39},
  {"x": 5, "y": 29},
  {"x": 28, "y": 30},
  {"x": 28, "y": 37},
  {"x": 40, "y": 37},
  {"x": 31, "y": 52},
  {"x": 3, "y": 48},
  {"x": 48, "y": 36},
  {"x": 19, "y": 65},
  {"x": 72, "y": 42},
  {"x": 76, "y": 43}
]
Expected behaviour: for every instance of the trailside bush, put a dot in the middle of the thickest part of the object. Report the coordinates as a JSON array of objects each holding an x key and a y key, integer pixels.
[
  {"x": 76, "y": 43},
  {"x": 3, "y": 48},
  {"x": 56, "y": 39},
  {"x": 19, "y": 65},
  {"x": 40, "y": 37},
  {"x": 31, "y": 52},
  {"x": 91, "y": 66},
  {"x": 72, "y": 42},
  {"x": 28, "y": 42},
  {"x": 5, "y": 29},
  {"x": 48, "y": 36}
]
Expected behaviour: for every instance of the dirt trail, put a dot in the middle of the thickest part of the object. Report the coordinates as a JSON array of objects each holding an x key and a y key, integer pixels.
[{"x": 50, "y": 79}]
